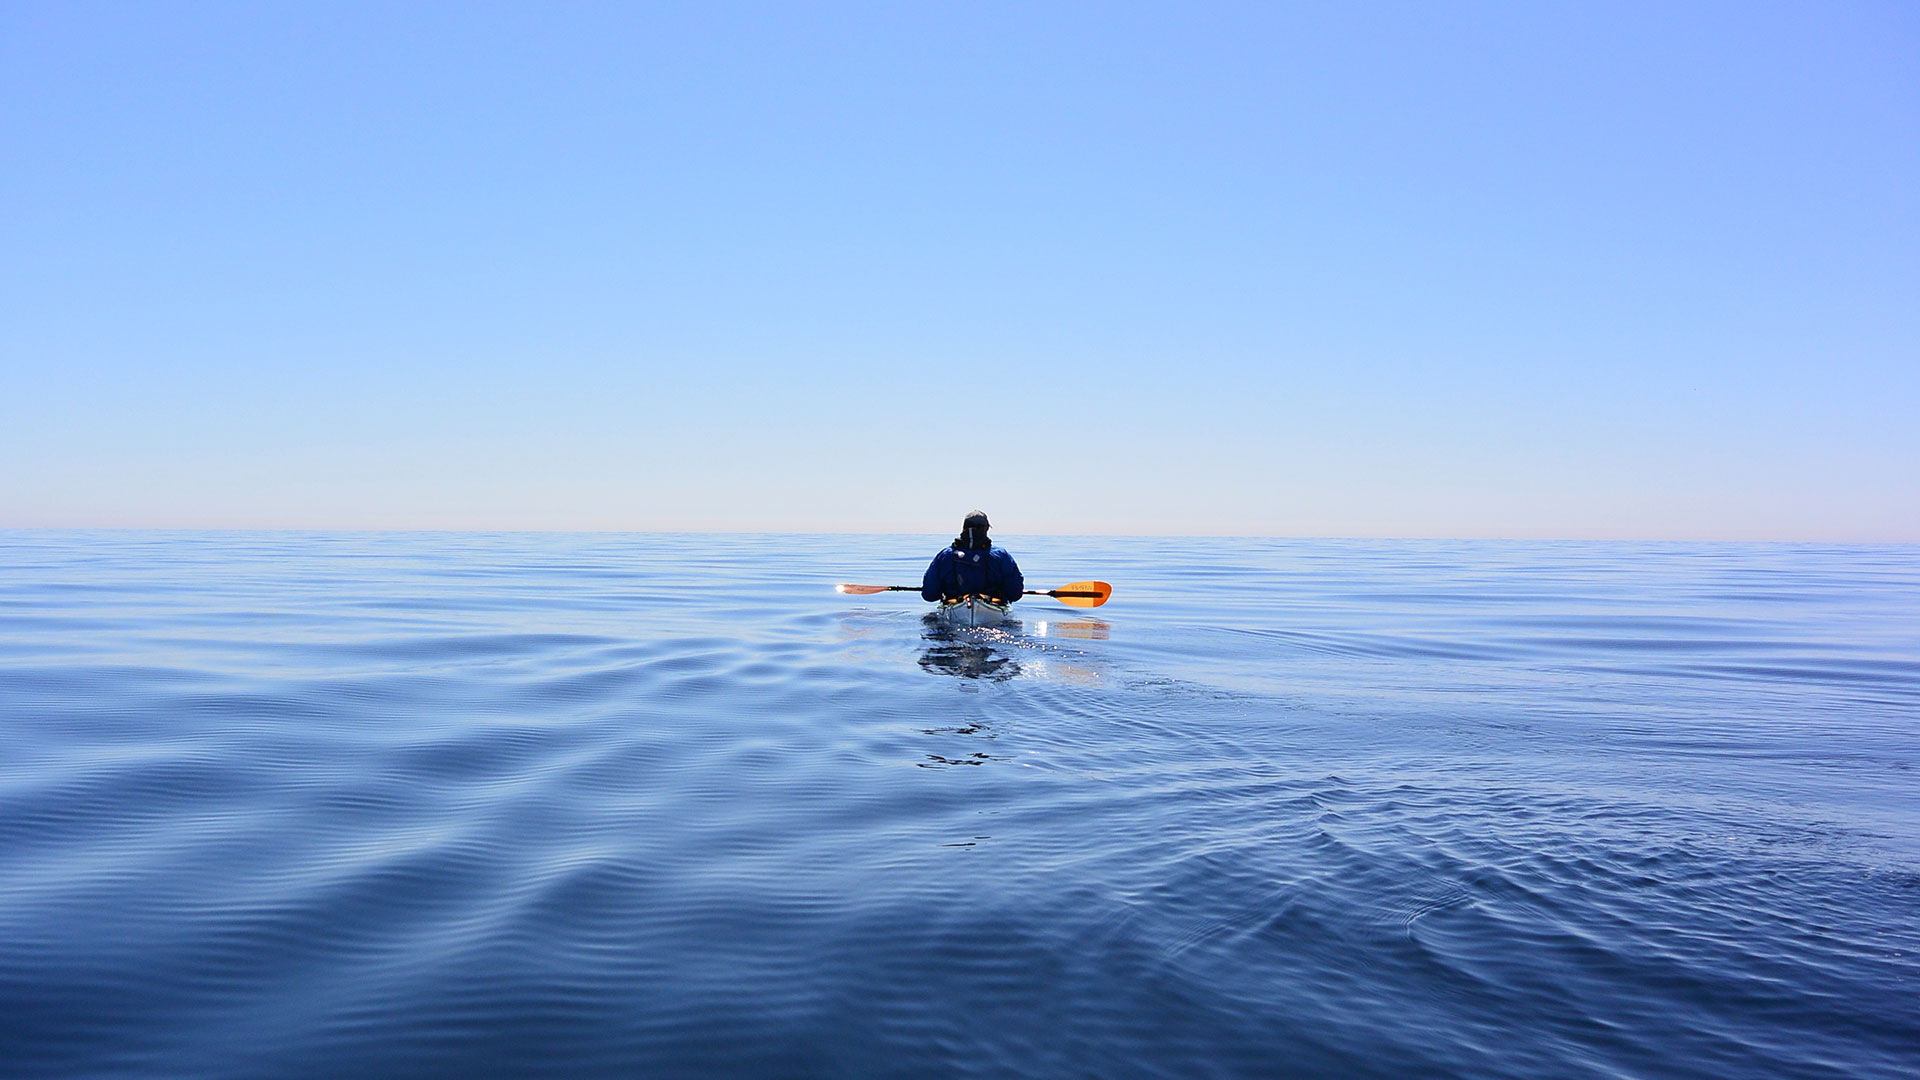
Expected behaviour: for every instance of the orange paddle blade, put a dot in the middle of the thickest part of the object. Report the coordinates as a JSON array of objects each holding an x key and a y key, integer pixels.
[
  {"x": 860, "y": 590},
  {"x": 1082, "y": 593}
]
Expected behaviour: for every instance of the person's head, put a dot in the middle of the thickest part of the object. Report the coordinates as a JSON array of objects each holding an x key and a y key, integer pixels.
[{"x": 973, "y": 533}]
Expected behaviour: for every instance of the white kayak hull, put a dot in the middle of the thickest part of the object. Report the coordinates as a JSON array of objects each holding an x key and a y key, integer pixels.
[{"x": 973, "y": 611}]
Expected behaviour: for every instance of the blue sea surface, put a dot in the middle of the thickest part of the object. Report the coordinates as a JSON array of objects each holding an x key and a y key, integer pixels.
[{"x": 460, "y": 805}]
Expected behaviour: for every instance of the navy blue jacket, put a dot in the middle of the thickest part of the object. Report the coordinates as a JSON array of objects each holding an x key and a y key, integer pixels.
[{"x": 955, "y": 574}]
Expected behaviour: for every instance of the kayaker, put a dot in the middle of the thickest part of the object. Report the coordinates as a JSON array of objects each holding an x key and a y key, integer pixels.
[{"x": 972, "y": 566}]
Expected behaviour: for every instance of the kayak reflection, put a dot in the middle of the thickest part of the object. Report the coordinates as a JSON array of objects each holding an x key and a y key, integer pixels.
[{"x": 968, "y": 654}]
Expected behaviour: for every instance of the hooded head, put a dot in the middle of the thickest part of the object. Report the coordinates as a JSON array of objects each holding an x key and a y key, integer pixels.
[{"x": 973, "y": 533}]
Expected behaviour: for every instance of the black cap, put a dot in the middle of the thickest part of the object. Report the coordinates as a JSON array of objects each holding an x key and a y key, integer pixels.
[{"x": 973, "y": 533}]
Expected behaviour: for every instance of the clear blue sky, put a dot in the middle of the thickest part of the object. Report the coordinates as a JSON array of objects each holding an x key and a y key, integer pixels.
[{"x": 1530, "y": 269}]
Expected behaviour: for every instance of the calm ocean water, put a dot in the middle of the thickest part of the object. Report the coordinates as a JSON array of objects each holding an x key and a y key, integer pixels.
[{"x": 288, "y": 805}]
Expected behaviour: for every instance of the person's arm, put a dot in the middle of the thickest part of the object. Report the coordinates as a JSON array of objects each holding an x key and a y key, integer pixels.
[
  {"x": 936, "y": 575},
  {"x": 1010, "y": 577}
]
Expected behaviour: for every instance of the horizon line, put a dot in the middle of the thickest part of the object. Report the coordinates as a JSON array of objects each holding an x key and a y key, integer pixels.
[{"x": 1332, "y": 537}]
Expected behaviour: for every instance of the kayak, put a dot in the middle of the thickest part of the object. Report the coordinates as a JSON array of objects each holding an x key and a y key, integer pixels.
[{"x": 973, "y": 611}]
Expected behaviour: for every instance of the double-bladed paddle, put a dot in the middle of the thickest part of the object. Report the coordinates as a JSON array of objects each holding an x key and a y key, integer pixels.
[{"x": 1078, "y": 594}]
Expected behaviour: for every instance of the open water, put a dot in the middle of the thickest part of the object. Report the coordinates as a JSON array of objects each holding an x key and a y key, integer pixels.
[{"x": 318, "y": 805}]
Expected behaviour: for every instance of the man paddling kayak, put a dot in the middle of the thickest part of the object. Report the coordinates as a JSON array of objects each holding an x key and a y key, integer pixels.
[{"x": 972, "y": 566}]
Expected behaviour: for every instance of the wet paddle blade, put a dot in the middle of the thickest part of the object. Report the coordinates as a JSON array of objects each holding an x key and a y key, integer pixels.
[
  {"x": 860, "y": 590},
  {"x": 1082, "y": 593}
]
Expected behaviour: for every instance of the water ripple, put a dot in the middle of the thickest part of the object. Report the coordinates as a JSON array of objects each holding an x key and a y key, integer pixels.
[{"x": 321, "y": 805}]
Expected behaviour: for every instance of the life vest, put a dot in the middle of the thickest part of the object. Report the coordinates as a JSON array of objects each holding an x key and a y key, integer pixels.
[{"x": 978, "y": 573}]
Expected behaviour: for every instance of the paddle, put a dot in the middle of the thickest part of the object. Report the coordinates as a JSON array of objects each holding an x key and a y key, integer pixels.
[{"x": 1078, "y": 594}]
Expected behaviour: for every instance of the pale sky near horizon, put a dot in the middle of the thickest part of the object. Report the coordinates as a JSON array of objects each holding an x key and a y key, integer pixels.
[{"x": 1394, "y": 269}]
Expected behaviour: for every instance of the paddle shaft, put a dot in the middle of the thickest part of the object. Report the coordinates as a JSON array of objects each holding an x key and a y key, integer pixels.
[
  {"x": 1079, "y": 590},
  {"x": 1026, "y": 592}
]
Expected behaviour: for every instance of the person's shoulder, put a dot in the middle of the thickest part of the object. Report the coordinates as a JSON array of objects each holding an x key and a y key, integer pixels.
[{"x": 999, "y": 552}]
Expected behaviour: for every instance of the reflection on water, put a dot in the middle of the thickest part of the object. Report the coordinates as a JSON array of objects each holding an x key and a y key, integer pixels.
[
  {"x": 935, "y": 761},
  {"x": 956, "y": 757},
  {"x": 969, "y": 653},
  {"x": 1058, "y": 670},
  {"x": 1085, "y": 629},
  {"x": 990, "y": 652}
]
